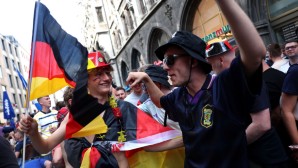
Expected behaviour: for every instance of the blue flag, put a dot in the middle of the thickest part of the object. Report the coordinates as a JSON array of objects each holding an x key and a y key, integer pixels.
[
  {"x": 24, "y": 83},
  {"x": 7, "y": 107}
]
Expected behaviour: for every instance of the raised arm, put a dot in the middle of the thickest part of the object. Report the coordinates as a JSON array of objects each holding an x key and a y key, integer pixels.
[
  {"x": 250, "y": 44},
  {"x": 153, "y": 91},
  {"x": 29, "y": 126}
]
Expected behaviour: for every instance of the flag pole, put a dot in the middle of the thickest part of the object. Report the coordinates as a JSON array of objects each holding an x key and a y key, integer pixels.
[{"x": 30, "y": 73}]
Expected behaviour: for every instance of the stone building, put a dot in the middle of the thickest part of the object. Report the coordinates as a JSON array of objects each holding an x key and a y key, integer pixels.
[
  {"x": 136, "y": 28},
  {"x": 12, "y": 55}
]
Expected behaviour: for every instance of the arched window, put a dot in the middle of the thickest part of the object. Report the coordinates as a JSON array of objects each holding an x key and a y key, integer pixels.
[
  {"x": 124, "y": 71},
  {"x": 136, "y": 59},
  {"x": 158, "y": 38}
]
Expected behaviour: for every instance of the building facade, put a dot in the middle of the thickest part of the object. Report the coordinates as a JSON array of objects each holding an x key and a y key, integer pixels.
[
  {"x": 137, "y": 27},
  {"x": 12, "y": 56}
]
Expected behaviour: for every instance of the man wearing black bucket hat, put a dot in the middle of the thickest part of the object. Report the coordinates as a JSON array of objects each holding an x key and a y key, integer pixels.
[{"x": 211, "y": 114}]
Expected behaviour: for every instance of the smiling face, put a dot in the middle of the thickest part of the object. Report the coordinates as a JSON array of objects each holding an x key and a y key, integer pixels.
[
  {"x": 291, "y": 49},
  {"x": 178, "y": 70},
  {"x": 100, "y": 81}
]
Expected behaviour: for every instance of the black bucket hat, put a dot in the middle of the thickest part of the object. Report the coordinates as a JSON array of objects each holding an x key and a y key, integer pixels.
[
  {"x": 192, "y": 44},
  {"x": 158, "y": 74}
]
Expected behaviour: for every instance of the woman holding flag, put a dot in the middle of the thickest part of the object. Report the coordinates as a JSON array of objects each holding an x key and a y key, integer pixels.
[{"x": 120, "y": 125}]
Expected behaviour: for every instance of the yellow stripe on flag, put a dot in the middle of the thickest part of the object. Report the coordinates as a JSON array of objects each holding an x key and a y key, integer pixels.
[
  {"x": 96, "y": 126},
  {"x": 166, "y": 159},
  {"x": 86, "y": 159},
  {"x": 42, "y": 86}
]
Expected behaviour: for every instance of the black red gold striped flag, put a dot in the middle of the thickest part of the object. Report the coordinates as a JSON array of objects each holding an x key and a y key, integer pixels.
[{"x": 58, "y": 56}]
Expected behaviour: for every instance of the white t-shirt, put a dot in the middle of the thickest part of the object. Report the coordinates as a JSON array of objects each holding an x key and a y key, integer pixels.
[
  {"x": 281, "y": 65},
  {"x": 45, "y": 122},
  {"x": 133, "y": 98}
]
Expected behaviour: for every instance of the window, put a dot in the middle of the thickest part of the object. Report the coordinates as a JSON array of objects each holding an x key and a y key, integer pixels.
[
  {"x": 16, "y": 51},
  {"x": 7, "y": 63},
  {"x": 278, "y": 7},
  {"x": 124, "y": 71},
  {"x": 22, "y": 104},
  {"x": 13, "y": 65},
  {"x": 99, "y": 14},
  {"x": 142, "y": 6},
  {"x": 10, "y": 80},
  {"x": 14, "y": 98},
  {"x": 1, "y": 75},
  {"x": 17, "y": 81},
  {"x": 10, "y": 48},
  {"x": 123, "y": 20},
  {"x": 3, "y": 45},
  {"x": 19, "y": 67}
]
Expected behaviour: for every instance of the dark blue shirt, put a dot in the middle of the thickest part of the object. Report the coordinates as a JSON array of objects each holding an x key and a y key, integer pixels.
[
  {"x": 290, "y": 85},
  {"x": 214, "y": 127}
]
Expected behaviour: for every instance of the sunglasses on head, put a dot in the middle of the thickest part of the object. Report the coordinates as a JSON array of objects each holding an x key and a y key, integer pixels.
[{"x": 169, "y": 60}]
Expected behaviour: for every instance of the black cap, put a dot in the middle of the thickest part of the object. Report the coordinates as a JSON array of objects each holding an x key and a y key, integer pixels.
[
  {"x": 218, "y": 48},
  {"x": 192, "y": 44},
  {"x": 158, "y": 74}
]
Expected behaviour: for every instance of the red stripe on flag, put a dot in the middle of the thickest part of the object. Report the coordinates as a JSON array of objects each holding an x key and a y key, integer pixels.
[
  {"x": 149, "y": 125},
  {"x": 45, "y": 64},
  {"x": 72, "y": 127},
  {"x": 94, "y": 157}
]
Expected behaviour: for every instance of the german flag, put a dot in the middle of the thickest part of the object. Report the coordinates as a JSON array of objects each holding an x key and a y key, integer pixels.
[
  {"x": 139, "y": 128},
  {"x": 56, "y": 56}
]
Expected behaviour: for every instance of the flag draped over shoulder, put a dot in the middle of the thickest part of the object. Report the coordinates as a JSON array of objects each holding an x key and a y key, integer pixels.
[
  {"x": 58, "y": 56},
  {"x": 140, "y": 129},
  {"x": 84, "y": 117}
]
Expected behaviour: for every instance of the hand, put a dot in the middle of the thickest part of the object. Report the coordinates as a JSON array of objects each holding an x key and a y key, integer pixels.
[
  {"x": 136, "y": 77},
  {"x": 53, "y": 129},
  {"x": 28, "y": 125}
]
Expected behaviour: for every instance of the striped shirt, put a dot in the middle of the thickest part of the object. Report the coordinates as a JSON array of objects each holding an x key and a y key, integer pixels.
[{"x": 45, "y": 122}]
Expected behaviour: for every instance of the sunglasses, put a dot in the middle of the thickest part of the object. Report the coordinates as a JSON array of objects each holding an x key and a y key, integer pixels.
[{"x": 169, "y": 60}]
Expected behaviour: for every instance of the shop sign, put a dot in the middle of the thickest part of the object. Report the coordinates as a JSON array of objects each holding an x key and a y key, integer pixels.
[
  {"x": 289, "y": 31},
  {"x": 217, "y": 33}
]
